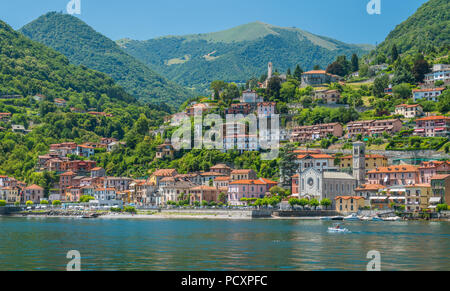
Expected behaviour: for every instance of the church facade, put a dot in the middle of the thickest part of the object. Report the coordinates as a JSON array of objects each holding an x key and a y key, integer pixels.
[{"x": 321, "y": 183}]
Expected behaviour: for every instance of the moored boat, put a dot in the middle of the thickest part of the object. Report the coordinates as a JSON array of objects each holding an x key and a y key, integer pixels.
[{"x": 352, "y": 217}]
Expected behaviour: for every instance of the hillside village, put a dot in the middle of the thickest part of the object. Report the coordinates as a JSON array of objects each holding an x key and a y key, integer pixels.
[
  {"x": 368, "y": 131},
  {"x": 346, "y": 183}
]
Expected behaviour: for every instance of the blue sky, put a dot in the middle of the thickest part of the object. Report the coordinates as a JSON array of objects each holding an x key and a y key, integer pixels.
[{"x": 345, "y": 20}]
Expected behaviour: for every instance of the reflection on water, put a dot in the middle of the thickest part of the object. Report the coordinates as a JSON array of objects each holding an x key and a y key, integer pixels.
[{"x": 42, "y": 244}]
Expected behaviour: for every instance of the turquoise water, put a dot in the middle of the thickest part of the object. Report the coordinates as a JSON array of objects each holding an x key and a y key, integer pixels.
[{"x": 42, "y": 244}]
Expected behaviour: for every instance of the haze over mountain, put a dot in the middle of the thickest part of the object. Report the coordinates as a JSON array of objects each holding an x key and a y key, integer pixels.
[
  {"x": 428, "y": 27},
  {"x": 84, "y": 46},
  {"x": 236, "y": 54}
]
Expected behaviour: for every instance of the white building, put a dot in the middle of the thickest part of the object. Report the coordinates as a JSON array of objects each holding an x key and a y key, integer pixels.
[
  {"x": 427, "y": 94},
  {"x": 106, "y": 197}
]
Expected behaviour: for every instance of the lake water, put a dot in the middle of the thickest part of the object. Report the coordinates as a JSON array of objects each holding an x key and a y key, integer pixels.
[{"x": 256, "y": 245}]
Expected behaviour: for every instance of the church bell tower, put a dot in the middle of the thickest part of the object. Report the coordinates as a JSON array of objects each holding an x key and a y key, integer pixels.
[{"x": 359, "y": 162}]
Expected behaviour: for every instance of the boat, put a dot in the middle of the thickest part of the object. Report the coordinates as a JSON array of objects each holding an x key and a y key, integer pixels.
[
  {"x": 376, "y": 218},
  {"x": 392, "y": 218},
  {"x": 352, "y": 217},
  {"x": 366, "y": 218},
  {"x": 328, "y": 218},
  {"x": 337, "y": 229},
  {"x": 92, "y": 215}
]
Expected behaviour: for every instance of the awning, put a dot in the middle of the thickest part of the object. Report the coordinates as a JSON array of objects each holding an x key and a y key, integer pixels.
[
  {"x": 435, "y": 199},
  {"x": 419, "y": 130},
  {"x": 439, "y": 129},
  {"x": 397, "y": 198},
  {"x": 378, "y": 198}
]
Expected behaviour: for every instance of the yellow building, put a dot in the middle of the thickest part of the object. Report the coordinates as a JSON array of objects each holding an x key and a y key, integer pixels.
[
  {"x": 417, "y": 197},
  {"x": 372, "y": 162},
  {"x": 349, "y": 204}
]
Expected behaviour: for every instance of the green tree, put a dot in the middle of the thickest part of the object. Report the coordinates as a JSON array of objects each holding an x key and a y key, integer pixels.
[
  {"x": 56, "y": 203},
  {"x": 287, "y": 164},
  {"x": 2, "y": 203},
  {"x": 325, "y": 203},
  {"x": 223, "y": 198},
  {"x": 402, "y": 91},
  {"x": 441, "y": 207},
  {"x": 420, "y": 69},
  {"x": 394, "y": 53},
  {"x": 355, "y": 63},
  {"x": 303, "y": 202},
  {"x": 314, "y": 203},
  {"x": 379, "y": 85},
  {"x": 86, "y": 198},
  {"x": 298, "y": 73}
]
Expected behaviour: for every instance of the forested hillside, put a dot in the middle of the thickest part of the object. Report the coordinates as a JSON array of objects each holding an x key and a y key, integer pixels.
[
  {"x": 28, "y": 68},
  {"x": 237, "y": 54},
  {"x": 426, "y": 29},
  {"x": 84, "y": 46}
]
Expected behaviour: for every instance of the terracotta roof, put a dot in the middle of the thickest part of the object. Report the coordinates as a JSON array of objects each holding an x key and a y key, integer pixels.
[
  {"x": 395, "y": 169},
  {"x": 370, "y": 187},
  {"x": 168, "y": 179},
  {"x": 440, "y": 177},
  {"x": 97, "y": 169},
  {"x": 429, "y": 90},
  {"x": 433, "y": 118},
  {"x": 226, "y": 178},
  {"x": 349, "y": 197},
  {"x": 220, "y": 166},
  {"x": 34, "y": 187},
  {"x": 212, "y": 174},
  {"x": 247, "y": 182},
  {"x": 315, "y": 72},
  {"x": 165, "y": 172},
  {"x": 408, "y": 106},
  {"x": 267, "y": 181},
  {"x": 68, "y": 173},
  {"x": 242, "y": 172}
]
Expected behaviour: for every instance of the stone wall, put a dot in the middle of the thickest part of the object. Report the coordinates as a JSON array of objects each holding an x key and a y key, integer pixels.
[
  {"x": 302, "y": 213},
  {"x": 231, "y": 213}
]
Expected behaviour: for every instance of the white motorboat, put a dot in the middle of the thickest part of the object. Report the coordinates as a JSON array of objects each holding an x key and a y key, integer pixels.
[
  {"x": 352, "y": 217},
  {"x": 337, "y": 229},
  {"x": 366, "y": 218},
  {"x": 393, "y": 218}
]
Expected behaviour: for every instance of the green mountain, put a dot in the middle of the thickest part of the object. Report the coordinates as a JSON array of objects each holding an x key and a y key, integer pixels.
[
  {"x": 28, "y": 67},
  {"x": 428, "y": 27},
  {"x": 237, "y": 54},
  {"x": 84, "y": 46}
]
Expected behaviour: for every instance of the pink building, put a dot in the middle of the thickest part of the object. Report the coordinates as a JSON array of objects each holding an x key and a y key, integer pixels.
[
  {"x": 433, "y": 126},
  {"x": 373, "y": 127},
  {"x": 34, "y": 193},
  {"x": 318, "y": 131},
  {"x": 429, "y": 169},
  {"x": 394, "y": 175},
  {"x": 248, "y": 189}
]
